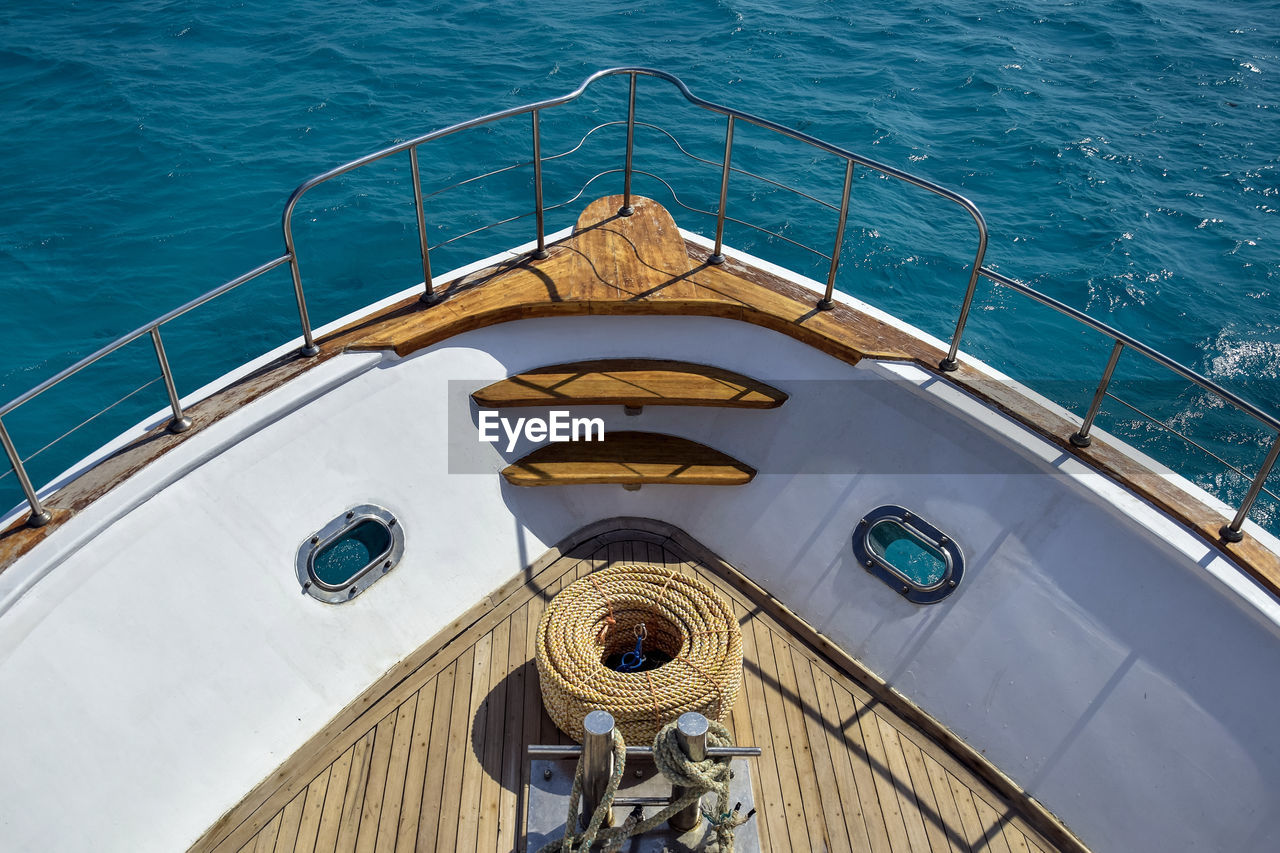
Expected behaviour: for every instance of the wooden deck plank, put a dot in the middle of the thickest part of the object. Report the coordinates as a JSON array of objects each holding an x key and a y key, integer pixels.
[
  {"x": 940, "y": 784},
  {"x": 511, "y": 758},
  {"x": 445, "y": 769},
  {"x": 331, "y": 813},
  {"x": 810, "y": 793},
  {"x": 266, "y": 840},
  {"x": 290, "y": 819},
  {"x": 934, "y": 822},
  {"x": 992, "y": 826},
  {"x": 416, "y": 767},
  {"x": 830, "y": 797},
  {"x": 842, "y": 759},
  {"x": 970, "y": 823},
  {"x": 383, "y": 739},
  {"x": 868, "y": 725},
  {"x": 495, "y": 711},
  {"x": 311, "y": 809},
  {"x": 1016, "y": 840},
  {"x": 533, "y": 713},
  {"x": 353, "y": 795},
  {"x": 437, "y": 756},
  {"x": 907, "y": 799},
  {"x": 793, "y": 809},
  {"x": 742, "y": 728},
  {"x": 864, "y": 774},
  {"x": 397, "y": 772},
  {"x": 770, "y": 808},
  {"x": 458, "y": 751}
]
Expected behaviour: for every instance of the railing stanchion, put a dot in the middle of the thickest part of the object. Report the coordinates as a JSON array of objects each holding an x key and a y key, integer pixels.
[
  {"x": 427, "y": 294},
  {"x": 1081, "y": 437},
  {"x": 541, "y": 251},
  {"x": 825, "y": 303},
  {"x": 627, "y": 209},
  {"x": 308, "y": 342},
  {"x": 950, "y": 363},
  {"x": 597, "y": 762},
  {"x": 717, "y": 256},
  {"x": 1231, "y": 532},
  {"x": 39, "y": 515},
  {"x": 180, "y": 422}
]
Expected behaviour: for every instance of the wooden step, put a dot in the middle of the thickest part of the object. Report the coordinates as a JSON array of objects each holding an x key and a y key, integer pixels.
[
  {"x": 631, "y": 382},
  {"x": 631, "y": 459}
]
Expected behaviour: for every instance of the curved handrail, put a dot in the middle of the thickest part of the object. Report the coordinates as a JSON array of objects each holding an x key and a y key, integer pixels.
[{"x": 1231, "y": 532}]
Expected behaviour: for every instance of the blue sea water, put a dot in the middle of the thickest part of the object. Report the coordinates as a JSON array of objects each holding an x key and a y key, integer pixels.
[{"x": 1123, "y": 154}]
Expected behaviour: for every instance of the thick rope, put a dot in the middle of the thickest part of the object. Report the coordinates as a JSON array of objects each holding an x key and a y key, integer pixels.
[
  {"x": 696, "y": 777},
  {"x": 685, "y": 618}
]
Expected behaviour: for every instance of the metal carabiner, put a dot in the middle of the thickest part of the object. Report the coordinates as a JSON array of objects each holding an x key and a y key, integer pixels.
[{"x": 632, "y": 661}]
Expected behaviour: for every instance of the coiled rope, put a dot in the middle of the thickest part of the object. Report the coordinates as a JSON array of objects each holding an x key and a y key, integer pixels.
[
  {"x": 697, "y": 777},
  {"x": 595, "y": 617}
]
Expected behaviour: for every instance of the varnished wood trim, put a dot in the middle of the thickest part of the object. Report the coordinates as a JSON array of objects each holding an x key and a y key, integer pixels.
[
  {"x": 628, "y": 458},
  {"x": 630, "y": 382}
]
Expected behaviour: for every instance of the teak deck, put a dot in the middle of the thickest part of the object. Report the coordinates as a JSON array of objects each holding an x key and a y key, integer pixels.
[{"x": 433, "y": 756}]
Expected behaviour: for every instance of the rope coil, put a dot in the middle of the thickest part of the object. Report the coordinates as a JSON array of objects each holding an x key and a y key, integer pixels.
[{"x": 684, "y": 618}]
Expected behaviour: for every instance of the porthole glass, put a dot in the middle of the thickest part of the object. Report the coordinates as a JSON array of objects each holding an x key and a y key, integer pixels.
[
  {"x": 910, "y": 555},
  {"x": 343, "y": 558}
]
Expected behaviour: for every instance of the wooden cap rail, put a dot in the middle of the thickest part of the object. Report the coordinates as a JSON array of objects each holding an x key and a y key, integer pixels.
[
  {"x": 631, "y": 382},
  {"x": 629, "y": 459}
]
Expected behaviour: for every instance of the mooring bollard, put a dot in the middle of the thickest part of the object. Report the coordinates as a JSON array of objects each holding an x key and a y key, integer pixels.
[
  {"x": 691, "y": 734},
  {"x": 597, "y": 762}
]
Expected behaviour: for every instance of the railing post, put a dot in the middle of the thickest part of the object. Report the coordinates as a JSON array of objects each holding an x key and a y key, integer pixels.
[
  {"x": 950, "y": 363},
  {"x": 691, "y": 734},
  {"x": 541, "y": 251},
  {"x": 427, "y": 294},
  {"x": 308, "y": 342},
  {"x": 627, "y": 209},
  {"x": 717, "y": 256},
  {"x": 39, "y": 515},
  {"x": 597, "y": 762},
  {"x": 180, "y": 422},
  {"x": 825, "y": 303},
  {"x": 1231, "y": 532},
  {"x": 1081, "y": 437}
]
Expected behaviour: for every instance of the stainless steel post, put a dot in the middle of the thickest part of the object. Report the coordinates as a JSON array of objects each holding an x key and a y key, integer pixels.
[
  {"x": 1231, "y": 532},
  {"x": 597, "y": 762},
  {"x": 1081, "y": 438},
  {"x": 717, "y": 257},
  {"x": 627, "y": 209},
  {"x": 950, "y": 362},
  {"x": 825, "y": 303},
  {"x": 691, "y": 733},
  {"x": 427, "y": 295},
  {"x": 308, "y": 342},
  {"x": 180, "y": 422},
  {"x": 541, "y": 251},
  {"x": 39, "y": 515}
]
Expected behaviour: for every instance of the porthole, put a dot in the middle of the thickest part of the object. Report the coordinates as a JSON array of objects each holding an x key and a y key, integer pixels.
[
  {"x": 344, "y": 558},
  {"x": 915, "y": 559}
]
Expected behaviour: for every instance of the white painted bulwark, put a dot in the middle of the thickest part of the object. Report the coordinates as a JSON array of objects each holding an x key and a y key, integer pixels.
[{"x": 157, "y": 658}]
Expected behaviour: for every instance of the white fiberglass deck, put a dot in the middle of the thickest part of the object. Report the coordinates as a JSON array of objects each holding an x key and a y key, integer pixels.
[{"x": 1106, "y": 659}]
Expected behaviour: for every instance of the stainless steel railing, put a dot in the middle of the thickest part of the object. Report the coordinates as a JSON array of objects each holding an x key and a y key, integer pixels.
[{"x": 1081, "y": 438}]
